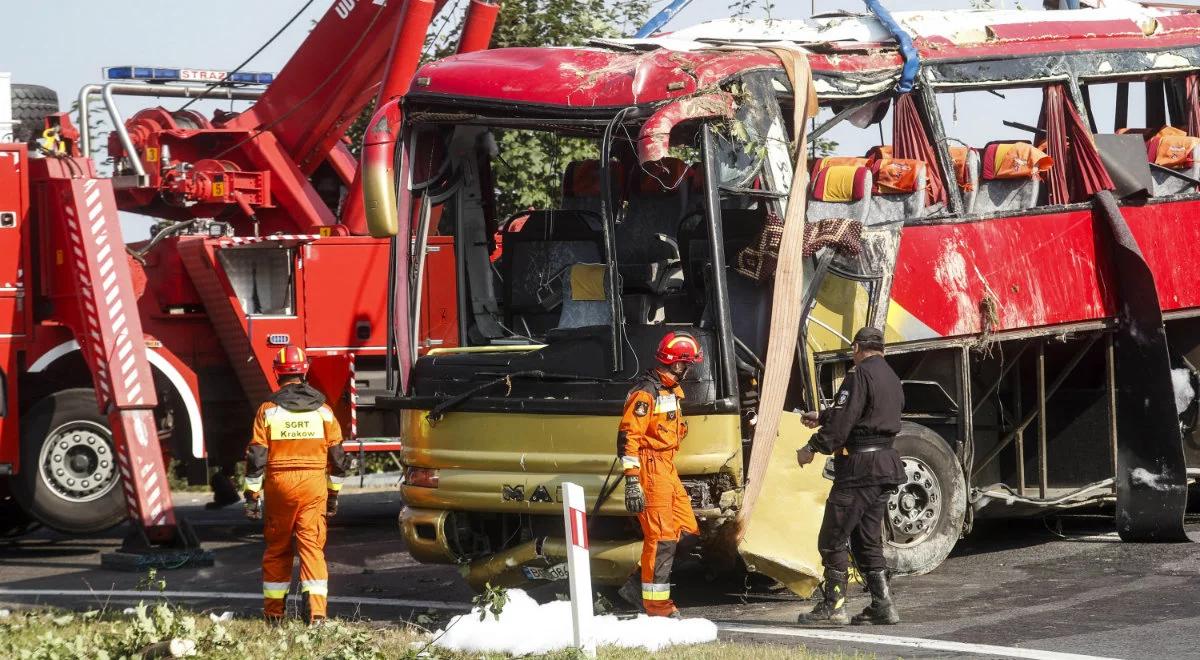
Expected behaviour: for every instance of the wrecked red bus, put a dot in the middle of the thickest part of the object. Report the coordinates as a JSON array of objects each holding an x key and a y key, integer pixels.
[{"x": 1012, "y": 196}]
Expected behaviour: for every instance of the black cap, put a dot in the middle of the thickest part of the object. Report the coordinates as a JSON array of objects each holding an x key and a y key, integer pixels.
[{"x": 869, "y": 337}]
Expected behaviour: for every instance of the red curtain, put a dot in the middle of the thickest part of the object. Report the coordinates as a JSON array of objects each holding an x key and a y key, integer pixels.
[
  {"x": 1192, "y": 83},
  {"x": 1054, "y": 124},
  {"x": 1078, "y": 173},
  {"x": 909, "y": 140}
]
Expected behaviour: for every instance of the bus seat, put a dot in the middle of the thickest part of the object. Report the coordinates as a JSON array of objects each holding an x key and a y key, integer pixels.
[
  {"x": 899, "y": 190},
  {"x": 966, "y": 172},
  {"x": 581, "y": 185},
  {"x": 647, "y": 247},
  {"x": 536, "y": 252},
  {"x": 840, "y": 191},
  {"x": 657, "y": 201},
  {"x": 830, "y": 161},
  {"x": 1011, "y": 177},
  {"x": 1177, "y": 152},
  {"x": 1147, "y": 133},
  {"x": 586, "y": 299}
]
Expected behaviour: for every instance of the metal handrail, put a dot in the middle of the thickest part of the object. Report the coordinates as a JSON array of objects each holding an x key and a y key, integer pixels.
[{"x": 112, "y": 89}]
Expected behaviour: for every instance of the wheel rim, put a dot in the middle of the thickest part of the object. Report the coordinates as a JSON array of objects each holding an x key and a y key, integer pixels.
[
  {"x": 78, "y": 462},
  {"x": 914, "y": 510}
]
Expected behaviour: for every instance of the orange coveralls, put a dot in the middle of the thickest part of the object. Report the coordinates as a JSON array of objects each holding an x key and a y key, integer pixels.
[
  {"x": 647, "y": 441},
  {"x": 298, "y": 447}
]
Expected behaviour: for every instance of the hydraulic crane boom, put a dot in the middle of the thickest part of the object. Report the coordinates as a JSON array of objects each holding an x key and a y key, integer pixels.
[
  {"x": 286, "y": 149},
  {"x": 327, "y": 82}
]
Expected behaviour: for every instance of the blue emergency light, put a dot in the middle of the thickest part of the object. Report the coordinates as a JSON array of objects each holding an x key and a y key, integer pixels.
[{"x": 161, "y": 75}]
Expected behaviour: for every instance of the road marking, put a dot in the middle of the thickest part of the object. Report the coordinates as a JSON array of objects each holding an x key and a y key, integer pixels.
[
  {"x": 233, "y": 595},
  {"x": 910, "y": 642}
]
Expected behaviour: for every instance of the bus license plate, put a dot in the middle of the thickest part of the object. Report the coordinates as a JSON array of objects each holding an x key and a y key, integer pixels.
[{"x": 554, "y": 573}]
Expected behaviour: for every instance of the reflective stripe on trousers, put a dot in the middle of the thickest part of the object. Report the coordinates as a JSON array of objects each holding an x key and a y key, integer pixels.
[
  {"x": 275, "y": 589},
  {"x": 656, "y": 591},
  {"x": 315, "y": 587}
]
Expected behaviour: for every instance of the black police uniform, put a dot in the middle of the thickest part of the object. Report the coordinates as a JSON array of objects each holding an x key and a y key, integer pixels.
[{"x": 858, "y": 430}]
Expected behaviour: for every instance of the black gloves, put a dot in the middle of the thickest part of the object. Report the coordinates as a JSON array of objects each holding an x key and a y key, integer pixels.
[
  {"x": 253, "y": 505},
  {"x": 635, "y": 499}
]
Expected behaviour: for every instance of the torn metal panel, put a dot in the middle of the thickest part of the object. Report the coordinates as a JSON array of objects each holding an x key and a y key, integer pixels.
[
  {"x": 582, "y": 77},
  {"x": 956, "y": 27},
  {"x": 856, "y": 85},
  {"x": 654, "y": 138},
  {"x": 852, "y": 56},
  {"x": 1151, "y": 471},
  {"x": 1178, "y": 23},
  {"x": 1039, "y": 68},
  {"x": 780, "y": 538},
  {"x": 1121, "y": 27}
]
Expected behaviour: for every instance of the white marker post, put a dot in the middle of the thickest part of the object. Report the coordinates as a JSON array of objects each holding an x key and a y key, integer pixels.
[{"x": 579, "y": 567}]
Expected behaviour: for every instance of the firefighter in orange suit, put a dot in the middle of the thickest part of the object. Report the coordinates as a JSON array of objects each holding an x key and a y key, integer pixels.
[
  {"x": 651, "y": 430},
  {"x": 295, "y": 463}
]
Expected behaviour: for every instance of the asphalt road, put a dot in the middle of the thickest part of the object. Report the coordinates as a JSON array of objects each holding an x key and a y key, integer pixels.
[{"x": 1026, "y": 585}]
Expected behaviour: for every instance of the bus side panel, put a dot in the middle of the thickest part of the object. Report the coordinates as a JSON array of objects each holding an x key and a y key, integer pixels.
[
  {"x": 480, "y": 456},
  {"x": 1037, "y": 270},
  {"x": 1168, "y": 233}
]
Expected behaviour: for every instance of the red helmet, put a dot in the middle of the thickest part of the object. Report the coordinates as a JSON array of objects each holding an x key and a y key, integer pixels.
[
  {"x": 290, "y": 361},
  {"x": 679, "y": 346}
]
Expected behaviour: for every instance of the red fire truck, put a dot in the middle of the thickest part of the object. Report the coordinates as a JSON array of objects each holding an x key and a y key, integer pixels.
[{"x": 260, "y": 242}]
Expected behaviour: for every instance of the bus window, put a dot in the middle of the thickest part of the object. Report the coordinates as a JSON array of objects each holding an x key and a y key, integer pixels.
[
  {"x": 998, "y": 149},
  {"x": 526, "y": 229},
  {"x": 1157, "y": 111}
]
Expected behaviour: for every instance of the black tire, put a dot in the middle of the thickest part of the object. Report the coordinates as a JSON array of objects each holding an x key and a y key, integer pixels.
[
  {"x": 85, "y": 449},
  {"x": 925, "y": 518},
  {"x": 30, "y": 105}
]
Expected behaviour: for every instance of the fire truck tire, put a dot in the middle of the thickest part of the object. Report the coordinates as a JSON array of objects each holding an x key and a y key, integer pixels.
[
  {"x": 30, "y": 105},
  {"x": 925, "y": 516},
  {"x": 69, "y": 479}
]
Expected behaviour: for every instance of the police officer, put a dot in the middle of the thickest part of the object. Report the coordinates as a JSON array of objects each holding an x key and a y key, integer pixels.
[
  {"x": 858, "y": 431},
  {"x": 296, "y": 457}
]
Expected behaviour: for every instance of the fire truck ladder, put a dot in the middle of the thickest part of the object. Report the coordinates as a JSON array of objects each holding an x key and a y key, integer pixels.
[{"x": 110, "y": 338}]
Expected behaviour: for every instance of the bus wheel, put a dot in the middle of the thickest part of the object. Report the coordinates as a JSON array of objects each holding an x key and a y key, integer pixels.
[
  {"x": 69, "y": 478},
  {"x": 925, "y": 515}
]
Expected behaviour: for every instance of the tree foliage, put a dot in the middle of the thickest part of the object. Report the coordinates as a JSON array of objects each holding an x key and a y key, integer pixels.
[{"x": 528, "y": 172}]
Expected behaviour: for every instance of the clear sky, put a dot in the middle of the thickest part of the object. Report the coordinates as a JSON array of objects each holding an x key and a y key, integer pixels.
[{"x": 64, "y": 44}]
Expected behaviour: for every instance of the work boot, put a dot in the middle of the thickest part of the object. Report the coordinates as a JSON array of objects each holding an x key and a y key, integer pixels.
[
  {"x": 832, "y": 608},
  {"x": 674, "y": 615},
  {"x": 881, "y": 611},
  {"x": 631, "y": 592}
]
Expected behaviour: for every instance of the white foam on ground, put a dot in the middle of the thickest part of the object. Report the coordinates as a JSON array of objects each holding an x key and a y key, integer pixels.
[
  {"x": 1182, "y": 380},
  {"x": 526, "y": 628}
]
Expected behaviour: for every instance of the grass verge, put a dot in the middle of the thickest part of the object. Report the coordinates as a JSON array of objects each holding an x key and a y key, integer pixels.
[{"x": 160, "y": 629}]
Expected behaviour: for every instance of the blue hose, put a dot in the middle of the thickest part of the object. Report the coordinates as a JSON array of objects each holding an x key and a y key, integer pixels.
[
  {"x": 660, "y": 19},
  {"x": 912, "y": 61}
]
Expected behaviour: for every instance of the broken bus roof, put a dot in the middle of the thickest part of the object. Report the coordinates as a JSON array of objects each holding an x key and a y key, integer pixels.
[{"x": 851, "y": 55}]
